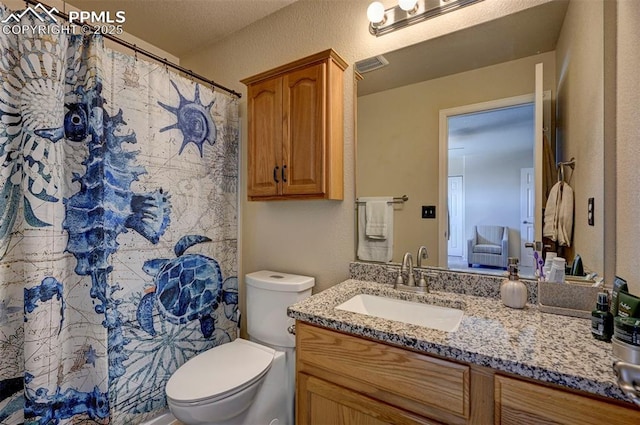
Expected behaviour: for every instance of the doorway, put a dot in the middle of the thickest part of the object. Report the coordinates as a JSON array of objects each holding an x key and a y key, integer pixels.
[{"x": 487, "y": 147}]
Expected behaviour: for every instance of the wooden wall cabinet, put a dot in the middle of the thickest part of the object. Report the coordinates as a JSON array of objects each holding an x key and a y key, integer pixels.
[
  {"x": 296, "y": 119},
  {"x": 343, "y": 379}
]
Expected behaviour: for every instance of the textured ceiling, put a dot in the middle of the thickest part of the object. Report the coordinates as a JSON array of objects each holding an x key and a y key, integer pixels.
[
  {"x": 477, "y": 133},
  {"x": 181, "y": 27}
]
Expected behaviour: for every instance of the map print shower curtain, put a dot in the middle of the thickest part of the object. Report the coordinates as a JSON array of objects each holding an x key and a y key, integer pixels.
[{"x": 118, "y": 228}]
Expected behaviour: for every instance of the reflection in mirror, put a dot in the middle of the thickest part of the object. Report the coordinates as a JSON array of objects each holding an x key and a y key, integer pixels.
[{"x": 399, "y": 132}]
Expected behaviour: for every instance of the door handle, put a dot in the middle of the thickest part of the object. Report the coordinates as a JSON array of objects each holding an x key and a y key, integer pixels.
[
  {"x": 275, "y": 174},
  {"x": 527, "y": 222},
  {"x": 284, "y": 173}
]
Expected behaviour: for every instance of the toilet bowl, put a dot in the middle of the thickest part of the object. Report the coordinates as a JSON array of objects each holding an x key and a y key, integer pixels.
[
  {"x": 220, "y": 383},
  {"x": 245, "y": 382}
]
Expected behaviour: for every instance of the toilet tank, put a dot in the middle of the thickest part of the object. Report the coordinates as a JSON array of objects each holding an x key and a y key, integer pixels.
[{"x": 269, "y": 294}]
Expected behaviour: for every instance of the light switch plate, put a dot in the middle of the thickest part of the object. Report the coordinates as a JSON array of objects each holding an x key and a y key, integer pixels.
[{"x": 428, "y": 211}]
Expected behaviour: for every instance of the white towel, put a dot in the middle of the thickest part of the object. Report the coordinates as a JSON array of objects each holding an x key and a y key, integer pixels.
[
  {"x": 376, "y": 219},
  {"x": 370, "y": 249},
  {"x": 558, "y": 214}
]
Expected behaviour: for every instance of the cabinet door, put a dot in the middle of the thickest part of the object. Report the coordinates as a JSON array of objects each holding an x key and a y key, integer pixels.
[
  {"x": 321, "y": 402},
  {"x": 265, "y": 138},
  {"x": 303, "y": 153}
]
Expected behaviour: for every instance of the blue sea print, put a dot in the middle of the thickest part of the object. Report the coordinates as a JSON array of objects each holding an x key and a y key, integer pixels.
[
  {"x": 193, "y": 120},
  {"x": 12, "y": 396},
  {"x": 49, "y": 288},
  {"x": 52, "y": 408},
  {"x": 106, "y": 206},
  {"x": 187, "y": 288},
  {"x": 102, "y": 296},
  {"x": 31, "y": 75}
]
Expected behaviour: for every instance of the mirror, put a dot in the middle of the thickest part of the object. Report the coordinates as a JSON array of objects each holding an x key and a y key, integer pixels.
[{"x": 398, "y": 127}]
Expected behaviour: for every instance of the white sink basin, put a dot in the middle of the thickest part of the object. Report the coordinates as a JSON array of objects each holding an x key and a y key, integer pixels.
[{"x": 427, "y": 315}]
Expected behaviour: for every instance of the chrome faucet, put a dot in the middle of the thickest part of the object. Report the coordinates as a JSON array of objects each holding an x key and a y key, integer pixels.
[
  {"x": 407, "y": 263},
  {"x": 422, "y": 255}
]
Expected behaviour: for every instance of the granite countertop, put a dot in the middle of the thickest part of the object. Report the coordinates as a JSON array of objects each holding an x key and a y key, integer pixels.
[{"x": 527, "y": 342}]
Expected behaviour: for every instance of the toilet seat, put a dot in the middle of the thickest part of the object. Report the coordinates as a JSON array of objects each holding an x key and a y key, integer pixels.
[{"x": 219, "y": 372}]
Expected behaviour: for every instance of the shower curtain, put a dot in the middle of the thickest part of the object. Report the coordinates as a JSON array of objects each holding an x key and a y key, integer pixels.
[{"x": 118, "y": 227}]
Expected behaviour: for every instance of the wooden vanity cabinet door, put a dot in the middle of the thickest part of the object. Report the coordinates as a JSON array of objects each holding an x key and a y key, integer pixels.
[
  {"x": 265, "y": 138},
  {"x": 321, "y": 402},
  {"x": 303, "y": 147},
  {"x": 519, "y": 402}
]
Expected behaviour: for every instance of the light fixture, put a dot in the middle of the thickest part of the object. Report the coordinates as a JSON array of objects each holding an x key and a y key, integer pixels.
[
  {"x": 408, "y": 5},
  {"x": 375, "y": 13},
  {"x": 408, "y": 12}
]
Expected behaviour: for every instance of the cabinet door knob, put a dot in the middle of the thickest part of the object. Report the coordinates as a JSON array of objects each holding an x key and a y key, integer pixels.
[
  {"x": 284, "y": 173},
  {"x": 275, "y": 174}
]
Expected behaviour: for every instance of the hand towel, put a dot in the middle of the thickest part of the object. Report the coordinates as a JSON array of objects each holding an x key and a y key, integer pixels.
[
  {"x": 376, "y": 218},
  {"x": 370, "y": 249},
  {"x": 558, "y": 214}
]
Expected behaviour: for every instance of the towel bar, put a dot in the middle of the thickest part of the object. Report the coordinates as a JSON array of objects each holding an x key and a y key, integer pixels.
[{"x": 396, "y": 200}]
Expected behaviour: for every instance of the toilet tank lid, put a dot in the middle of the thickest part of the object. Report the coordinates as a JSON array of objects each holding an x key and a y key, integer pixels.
[{"x": 277, "y": 281}]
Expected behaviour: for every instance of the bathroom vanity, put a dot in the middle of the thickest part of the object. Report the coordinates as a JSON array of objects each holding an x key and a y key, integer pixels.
[{"x": 500, "y": 366}]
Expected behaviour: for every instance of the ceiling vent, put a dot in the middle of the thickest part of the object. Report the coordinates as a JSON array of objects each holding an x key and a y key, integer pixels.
[{"x": 371, "y": 64}]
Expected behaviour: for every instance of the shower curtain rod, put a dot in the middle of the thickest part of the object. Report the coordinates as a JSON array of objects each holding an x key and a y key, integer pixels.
[{"x": 153, "y": 56}]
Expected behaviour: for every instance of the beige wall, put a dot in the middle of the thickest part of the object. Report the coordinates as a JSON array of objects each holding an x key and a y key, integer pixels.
[
  {"x": 398, "y": 140},
  {"x": 315, "y": 237},
  {"x": 628, "y": 144},
  {"x": 580, "y": 130}
]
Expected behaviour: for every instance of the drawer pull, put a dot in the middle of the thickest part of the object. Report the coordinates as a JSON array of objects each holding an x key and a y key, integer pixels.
[{"x": 275, "y": 174}]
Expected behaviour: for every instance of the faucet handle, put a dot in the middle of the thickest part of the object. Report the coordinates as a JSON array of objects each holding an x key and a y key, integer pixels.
[
  {"x": 422, "y": 283},
  {"x": 399, "y": 278},
  {"x": 423, "y": 279}
]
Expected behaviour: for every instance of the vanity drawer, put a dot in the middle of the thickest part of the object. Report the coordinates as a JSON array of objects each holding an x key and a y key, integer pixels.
[
  {"x": 518, "y": 402},
  {"x": 404, "y": 378}
]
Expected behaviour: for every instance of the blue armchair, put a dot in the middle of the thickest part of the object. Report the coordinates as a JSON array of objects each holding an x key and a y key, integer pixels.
[{"x": 489, "y": 246}]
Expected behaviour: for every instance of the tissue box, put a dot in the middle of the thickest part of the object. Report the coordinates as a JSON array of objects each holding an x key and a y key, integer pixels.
[{"x": 567, "y": 299}]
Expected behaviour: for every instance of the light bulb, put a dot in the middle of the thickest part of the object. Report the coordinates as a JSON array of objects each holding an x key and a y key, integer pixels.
[
  {"x": 375, "y": 12},
  {"x": 407, "y": 5}
]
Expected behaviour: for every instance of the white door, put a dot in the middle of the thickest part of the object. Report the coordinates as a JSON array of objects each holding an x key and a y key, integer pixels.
[
  {"x": 527, "y": 210},
  {"x": 455, "y": 245},
  {"x": 537, "y": 152}
]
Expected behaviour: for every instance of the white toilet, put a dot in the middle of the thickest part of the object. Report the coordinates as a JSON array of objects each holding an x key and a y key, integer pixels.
[{"x": 246, "y": 382}]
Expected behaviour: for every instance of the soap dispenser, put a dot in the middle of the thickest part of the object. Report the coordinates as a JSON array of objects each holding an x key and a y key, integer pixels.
[{"x": 512, "y": 291}]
